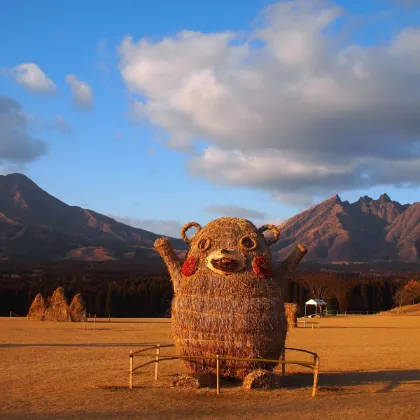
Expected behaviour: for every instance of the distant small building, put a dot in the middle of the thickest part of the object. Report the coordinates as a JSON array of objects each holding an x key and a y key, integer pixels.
[{"x": 317, "y": 303}]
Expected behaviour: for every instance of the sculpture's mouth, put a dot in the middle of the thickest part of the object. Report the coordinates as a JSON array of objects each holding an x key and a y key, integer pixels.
[{"x": 226, "y": 262}]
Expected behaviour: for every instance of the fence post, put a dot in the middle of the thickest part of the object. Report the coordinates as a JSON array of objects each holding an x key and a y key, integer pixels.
[
  {"x": 283, "y": 365},
  {"x": 316, "y": 374},
  {"x": 217, "y": 374},
  {"x": 130, "y": 382},
  {"x": 157, "y": 361}
]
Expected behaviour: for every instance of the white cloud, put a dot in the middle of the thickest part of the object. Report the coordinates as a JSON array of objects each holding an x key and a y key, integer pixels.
[
  {"x": 285, "y": 109},
  {"x": 161, "y": 227},
  {"x": 17, "y": 146},
  {"x": 61, "y": 125},
  {"x": 81, "y": 91},
  {"x": 32, "y": 78}
]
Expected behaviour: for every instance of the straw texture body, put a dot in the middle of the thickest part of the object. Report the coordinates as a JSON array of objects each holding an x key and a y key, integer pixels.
[{"x": 243, "y": 318}]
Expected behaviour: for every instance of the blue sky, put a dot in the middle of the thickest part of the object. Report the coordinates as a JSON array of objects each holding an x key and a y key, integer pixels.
[{"x": 183, "y": 156}]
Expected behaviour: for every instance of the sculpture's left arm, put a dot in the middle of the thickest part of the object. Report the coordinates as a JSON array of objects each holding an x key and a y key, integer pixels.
[
  {"x": 287, "y": 267},
  {"x": 291, "y": 262}
]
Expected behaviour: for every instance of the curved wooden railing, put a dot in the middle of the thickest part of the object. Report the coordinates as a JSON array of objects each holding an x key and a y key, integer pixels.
[{"x": 158, "y": 356}]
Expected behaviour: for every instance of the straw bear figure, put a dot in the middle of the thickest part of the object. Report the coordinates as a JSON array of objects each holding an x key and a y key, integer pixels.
[{"x": 228, "y": 296}]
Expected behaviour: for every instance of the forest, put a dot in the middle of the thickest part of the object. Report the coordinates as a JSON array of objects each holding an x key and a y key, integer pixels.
[{"x": 128, "y": 291}]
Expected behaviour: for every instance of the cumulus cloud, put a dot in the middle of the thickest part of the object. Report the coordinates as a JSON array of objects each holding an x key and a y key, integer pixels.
[
  {"x": 61, "y": 125},
  {"x": 161, "y": 227},
  {"x": 17, "y": 146},
  {"x": 285, "y": 108},
  {"x": 32, "y": 78},
  {"x": 81, "y": 91},
  {"x": 236, "y": 211}
]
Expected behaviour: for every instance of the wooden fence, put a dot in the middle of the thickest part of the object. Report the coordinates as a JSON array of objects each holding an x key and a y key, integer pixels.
[
  {"x": 361, "y": 312},
  {"x": 158, "y": 356},
  {"x": 311, "y": 323}
]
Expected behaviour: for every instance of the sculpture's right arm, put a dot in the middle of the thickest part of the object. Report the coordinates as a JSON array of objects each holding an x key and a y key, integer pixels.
[{"x": 173, "y": 263}]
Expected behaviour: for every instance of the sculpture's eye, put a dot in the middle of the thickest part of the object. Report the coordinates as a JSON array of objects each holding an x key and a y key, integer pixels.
[
  {"x": 203, "y": 244},
  {"x": 247, "y": 243}
]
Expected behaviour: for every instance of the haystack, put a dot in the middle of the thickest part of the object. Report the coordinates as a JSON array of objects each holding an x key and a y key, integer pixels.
[
  {"x": 37, "y": 309},
  {"x": 292, "y": 312},
  {"x": 57, "y": 309},
  {"x": 77, "y": 309},
  {"x": 228, "y": 300}
]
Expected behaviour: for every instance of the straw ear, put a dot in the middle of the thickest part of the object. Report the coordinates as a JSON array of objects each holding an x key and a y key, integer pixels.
[
  {"x": 186, "y": 227},
  {"x": 274, "y": 230}
]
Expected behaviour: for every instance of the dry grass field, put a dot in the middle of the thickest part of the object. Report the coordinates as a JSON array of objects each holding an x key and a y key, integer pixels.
[{"x": 370, "y": 369}]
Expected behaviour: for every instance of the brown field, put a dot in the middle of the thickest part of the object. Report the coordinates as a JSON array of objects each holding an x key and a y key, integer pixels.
[{"x": 370, "y": 369}]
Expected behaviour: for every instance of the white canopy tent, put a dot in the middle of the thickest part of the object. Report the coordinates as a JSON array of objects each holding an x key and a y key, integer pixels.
[{"x": 318, "y": 303}]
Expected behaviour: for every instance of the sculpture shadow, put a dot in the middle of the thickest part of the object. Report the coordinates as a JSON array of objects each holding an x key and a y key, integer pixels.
[
  {"x": 391, "y": 378},
  {"x": 133, "y": 345}
]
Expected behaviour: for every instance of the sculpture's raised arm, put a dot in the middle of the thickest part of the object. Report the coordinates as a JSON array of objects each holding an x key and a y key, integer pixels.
[
  {"x": 173, "y": 263},
  {"x": 289, "y": 265}
]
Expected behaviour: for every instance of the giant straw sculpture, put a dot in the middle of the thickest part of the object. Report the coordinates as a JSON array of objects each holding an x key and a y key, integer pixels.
[{"x": 228, "y": 297}]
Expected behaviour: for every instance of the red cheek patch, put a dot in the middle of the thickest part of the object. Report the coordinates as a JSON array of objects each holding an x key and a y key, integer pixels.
[
  {"x": 189, "y": 267},
  {"x": 260, "y": 267}
]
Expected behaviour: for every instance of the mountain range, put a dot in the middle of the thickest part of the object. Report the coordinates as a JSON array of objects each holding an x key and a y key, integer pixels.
[
  {"x": 365, "y": 231},
  {"x": 37, "y": 226}
]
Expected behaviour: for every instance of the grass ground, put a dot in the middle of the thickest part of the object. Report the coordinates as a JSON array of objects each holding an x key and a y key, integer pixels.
[{"x": 370, "y": 369}]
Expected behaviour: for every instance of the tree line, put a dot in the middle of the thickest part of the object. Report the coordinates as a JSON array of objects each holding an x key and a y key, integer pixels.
[{"x": 129, "y": 294}]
